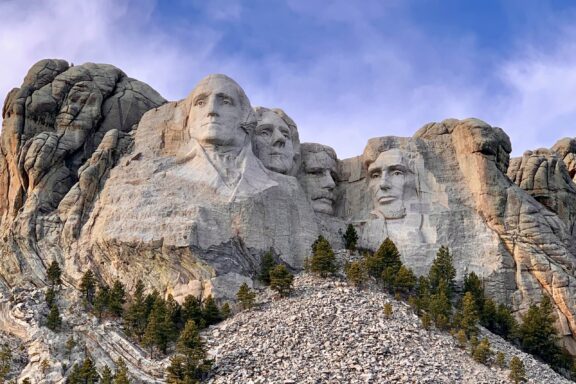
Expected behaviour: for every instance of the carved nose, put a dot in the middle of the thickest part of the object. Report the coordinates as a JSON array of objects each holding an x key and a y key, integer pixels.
[
  {"x": 278, "y": 139},
  {"x": 384, "y": 183},
  {"x": 328, "y": 181}
]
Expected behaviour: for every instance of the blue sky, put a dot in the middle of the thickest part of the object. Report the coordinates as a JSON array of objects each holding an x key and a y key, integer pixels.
[{"x": 345, "y": 71}]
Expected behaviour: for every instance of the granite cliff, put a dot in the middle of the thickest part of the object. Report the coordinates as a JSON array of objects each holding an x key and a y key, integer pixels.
[{"x": 98, "y": 171}]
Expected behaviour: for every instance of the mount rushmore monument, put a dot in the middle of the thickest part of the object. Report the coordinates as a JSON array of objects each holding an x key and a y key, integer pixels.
[{"x": 98, "y": 171}]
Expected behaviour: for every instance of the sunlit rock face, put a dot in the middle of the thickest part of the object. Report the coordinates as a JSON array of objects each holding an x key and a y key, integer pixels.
[{"x": 98, "y": 171}]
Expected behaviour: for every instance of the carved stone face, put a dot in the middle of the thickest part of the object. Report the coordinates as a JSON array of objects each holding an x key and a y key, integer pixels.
[
  {"x": 317, "y": 176},
  {"x": 388, "y": 178},
  {"x": 216, "y": 113},
  {"x": 272, "y": 143}
]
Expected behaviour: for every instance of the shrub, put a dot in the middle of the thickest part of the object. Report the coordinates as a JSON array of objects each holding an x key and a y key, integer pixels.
[
  {"x": 323, "y": 260},
  {"x": 281, "y": 280},
  {"x": 245, "y": 296}
]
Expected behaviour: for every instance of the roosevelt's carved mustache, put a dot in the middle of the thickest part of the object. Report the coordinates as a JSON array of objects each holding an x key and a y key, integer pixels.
[{"x": 323, "y": 195}]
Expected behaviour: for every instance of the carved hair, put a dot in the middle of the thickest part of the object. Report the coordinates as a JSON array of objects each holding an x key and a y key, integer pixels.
[
  {"x": 248, "y": 118},
  {"x": 294, "y": 137}
]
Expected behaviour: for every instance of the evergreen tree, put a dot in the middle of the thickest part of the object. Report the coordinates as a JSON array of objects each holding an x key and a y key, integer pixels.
[
  {"x": 245, "y": 296},
  {"x": 506, "y": 324},
  {"x": 426, "y": 321},
  {"x": 489, "y": 315},
  {"x": 423, "y": 292},
  {"x": 387, "y": 310},
  {"x": 500, "y": 360},
  {"x": 106, "y": 376},
  {"x": 150, "y": 300},
  {"x": 192, "y": 310},
  {"x": 442, "y": 270},
  {"x": 386, "y": 257},
  {"x": 482, "y": 352},
  {"x": 121, "y": 376},
  {"x": 467, "y": 315},
  {"x": 350, "y": 238},
  {"x": 88, "y": 287},
  {"x": 189, "y": 364},
  {"x": 50, "y": 297},
  {"x": 174, "y": 310},
  {"x": 225, "y": 311},
  {"x": 101, "y": 300},
  {"x": 281, "y": 280},
  {"x": 405, "y": 280},
  {"x": 159, "y": 329},
  {"x": 473, "y": 284},
  {"x": 356, "y": 273},
  {"x": 537, "y": 333},
  {"x": 440, "y": 308},
  {"x": 54, "y": 321},
  {"x": 323, "y": 260},
  {"x": 5, "y": 362},
  {"x": 70, "y": 344},
  {"x": 266, "y": 264},
  {"x": 117, "y": 298},
  {"x": 210, "y": 312},
  {"x": 517, "y": 370},
  {"x": 54, "y": 274},
  {"x": 461, "y": 338},
  {"x": 136, "y": 318},
  {"x": 84, "y": 374}
]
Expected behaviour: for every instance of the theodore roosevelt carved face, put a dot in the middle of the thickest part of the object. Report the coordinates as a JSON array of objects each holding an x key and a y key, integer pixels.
[
  {"x": 388, "y": 178},
  {"x": 275, "y": 141},
  {"x": 219, "y": 114},
  {"x": 317, "y": 176}
]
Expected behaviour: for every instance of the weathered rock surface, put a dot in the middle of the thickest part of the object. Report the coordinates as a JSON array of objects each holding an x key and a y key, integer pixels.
[
  {"x": 98, "y": 172},
  {"x": 52, "y": 126},
  {"x": 330, "y": 332}
]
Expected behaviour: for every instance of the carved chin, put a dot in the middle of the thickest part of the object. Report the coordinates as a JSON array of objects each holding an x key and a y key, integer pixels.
[{"x": 279, "y": 164}]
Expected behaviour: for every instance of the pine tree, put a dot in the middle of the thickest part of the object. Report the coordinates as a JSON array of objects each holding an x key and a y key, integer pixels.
[
  {"x": 426, "y": 321},
  {"x": 442, "y": 270},
  {"x": 225, "y": 311},
  {"x": 210, "y": 312},
  {"x": 405, "y": 280},
  {"x": 121, "y": 376},
  {"x": 87, "y": 372},
  {"x": 70, "y": 344},
  {"x": 102, "y": 300},
  {"x": 356, "y": 273},
  {"x": 517, "y": 371},
  {"x": 159, "y": 329},
  {"x": 387, "y": 310},
  {"x": 54, "y": 274},
  {"x": 468, "y": 315},
  {"x": 189, "y": 364},
  {"x": 54, "y": 321},
  {"x": 387, "y": 256},
  {"x": 88, "y": 286},
  {"x": 440, "y": 308},
  {"x": 323, "y": 260},
  {"x": 175, "y": 314},
  {"x": 5, "y": 362},
  {"x": 537, "y": 333},
  {"x": 500, "y": 360},
  {"x": 461, "y": 338},
  {"x": 281, "y": 280},
  {"x": 423, "y": 292},
  {"x": 350, "y": 238},
  {"x": 192, "y": 310},
  {"x": 117, "y": 298},
  {"x": 482, "y": 352},
  {"x": 106, "y": 376},
  {"x": 50, "y": 297},
  {"x": 136, "y": 318},
  {"x": 266, "y": 264},
  {"x": 245, "y": 296},
  {"x": 473, "y": 284},
  {"x": 506, "y": 324}
]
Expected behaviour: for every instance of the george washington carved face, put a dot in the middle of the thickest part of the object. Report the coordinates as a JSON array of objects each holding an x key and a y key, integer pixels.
[
  {"x": 388, "y": 178},
  {"x": 218, "y": 112}
]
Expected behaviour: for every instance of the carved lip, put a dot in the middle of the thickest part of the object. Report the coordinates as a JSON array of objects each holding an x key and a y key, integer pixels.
[
  {"x": 386, "y": 199},
  {"x": 323, "y": 199}
]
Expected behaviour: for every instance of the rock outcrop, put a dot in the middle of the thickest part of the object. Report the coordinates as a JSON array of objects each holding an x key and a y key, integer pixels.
[{"x": 98, "y": 171}]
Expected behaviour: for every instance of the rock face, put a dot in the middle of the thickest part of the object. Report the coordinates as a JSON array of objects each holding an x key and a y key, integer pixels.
[{"x": 98, "y": 171}]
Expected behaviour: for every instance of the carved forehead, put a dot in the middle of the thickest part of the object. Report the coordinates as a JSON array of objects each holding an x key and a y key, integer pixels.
[
  {"x": 220, "y": 84},
  {"x": 390, "y": 158},
  {"x": 269, "y": 117},
  {"x": 317, "y": 156}
]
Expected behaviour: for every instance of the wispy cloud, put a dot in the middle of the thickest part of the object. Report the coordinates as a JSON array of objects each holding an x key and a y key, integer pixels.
[{"x": 344, "y": 73}]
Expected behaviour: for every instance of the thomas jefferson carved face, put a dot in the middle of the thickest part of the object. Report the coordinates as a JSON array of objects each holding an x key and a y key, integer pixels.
[
  {"x": 317, "y": 176},
  {"x": 388, "y": 177},
  {"x": 272, "y": 142},
  {"x": 217, "y": 111}
]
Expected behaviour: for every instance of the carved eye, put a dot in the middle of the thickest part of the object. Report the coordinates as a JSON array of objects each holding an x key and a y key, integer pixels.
[
  {"x": 397, "y": 173},
  {"x": 375, "y": 175},
  {"x": 226, "y": 101},
  {"x": 286, "y": 134},
  {"x": 264, "y": 132},
  {"x": 200, "y": 103}
]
